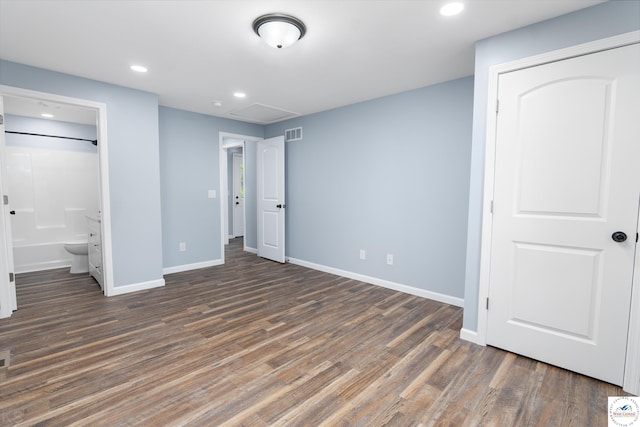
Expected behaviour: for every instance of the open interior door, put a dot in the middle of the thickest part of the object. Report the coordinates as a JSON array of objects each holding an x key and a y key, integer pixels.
[
  {"x": 8, "y": 301},
  {"x": 271, "y": 202}
]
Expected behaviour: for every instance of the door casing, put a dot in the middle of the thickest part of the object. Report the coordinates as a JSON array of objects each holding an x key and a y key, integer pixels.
[{"x": 632, "y": 367}]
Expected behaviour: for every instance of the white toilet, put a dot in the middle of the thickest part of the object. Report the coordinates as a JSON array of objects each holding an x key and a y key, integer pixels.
[{"x": 79, "y": 256}]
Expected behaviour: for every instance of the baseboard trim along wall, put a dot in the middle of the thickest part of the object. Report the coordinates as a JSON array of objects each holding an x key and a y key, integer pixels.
[
  {"x": 471, "y": 336},
  {"x": 134, "y": 287},
  {"x": 30, "y": 268},
  {"x": 194, "y": 266},
  {"x": 458, "y": 302}
]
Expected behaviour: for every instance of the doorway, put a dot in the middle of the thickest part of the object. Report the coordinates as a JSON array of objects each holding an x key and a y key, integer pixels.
[
  {"x": 52, "y": 171},
  {"x": 89, "y": 108},
  {"x": 228, "y": 144}
]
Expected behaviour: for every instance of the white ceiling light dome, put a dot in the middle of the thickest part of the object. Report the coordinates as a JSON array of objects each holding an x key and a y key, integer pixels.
[{"x": 279, "y": 30}]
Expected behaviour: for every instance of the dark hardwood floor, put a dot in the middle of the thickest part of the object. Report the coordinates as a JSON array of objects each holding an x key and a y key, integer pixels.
[{"x": 256, "y": 343}]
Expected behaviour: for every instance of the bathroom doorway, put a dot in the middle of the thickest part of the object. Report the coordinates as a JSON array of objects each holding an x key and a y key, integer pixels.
[{"x": 59, "y": 203}]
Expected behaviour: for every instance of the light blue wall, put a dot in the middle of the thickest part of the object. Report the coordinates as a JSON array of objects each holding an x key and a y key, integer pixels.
[
  {"x": 190, "y": 166},
  {"x": 389, "y": 175},
  {"x": 134, "y": 172},
  {"x": 597, "y": 22},
  {"x": 250, "y": 199}
]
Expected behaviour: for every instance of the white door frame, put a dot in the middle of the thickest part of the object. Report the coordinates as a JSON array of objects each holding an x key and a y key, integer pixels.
[
  {"x": 103, "y": 156},
  {"x": 226, "y": 141},
  {"x": 632, "y": 368}
]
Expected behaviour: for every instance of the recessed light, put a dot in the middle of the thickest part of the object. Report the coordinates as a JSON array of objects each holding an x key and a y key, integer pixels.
[
  {"x": 451, "y": 9},
  {"x": 217, "y": 103},
  {"x": 239, "y": 94},
  {"x": 139, "y": 68},
  {"x": 47, "y": 115}
]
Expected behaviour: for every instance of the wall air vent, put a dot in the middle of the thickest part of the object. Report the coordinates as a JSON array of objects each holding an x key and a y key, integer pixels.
[{"x": 294, "y": 134}]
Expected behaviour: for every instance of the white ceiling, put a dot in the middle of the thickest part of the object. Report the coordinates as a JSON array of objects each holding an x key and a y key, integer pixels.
[
  {"x": 202, "y": 51},
  {"x": 61, "y": 112}
]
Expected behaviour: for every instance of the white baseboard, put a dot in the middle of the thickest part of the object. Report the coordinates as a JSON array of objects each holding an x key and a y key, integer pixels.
[
  {"x": 472, "y": 336},
  {"x": 42, "y": 266},
  {"x": 447, "y": 299},
  {"x": 252, "y": 250},
  {"x": 134, "y": 287},
  {"x": 194, "y": 266}
]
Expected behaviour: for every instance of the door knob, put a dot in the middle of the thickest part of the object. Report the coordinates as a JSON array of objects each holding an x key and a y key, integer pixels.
[
  {"x": 281, "y": 206},
  {"x": 619, "y": 236},
  {"x": 12, "y": 212},
  {"x": 237, "y": 203}
]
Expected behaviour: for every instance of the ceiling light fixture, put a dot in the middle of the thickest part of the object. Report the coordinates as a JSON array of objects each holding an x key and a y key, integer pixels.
[
  {"x": 239, "y": 94},
  {"x": 139, "y": 68},
  {"x": 451, "y": 9},
  {"x": 278, "y": 30},
  {"x": 47, "y": 115}
]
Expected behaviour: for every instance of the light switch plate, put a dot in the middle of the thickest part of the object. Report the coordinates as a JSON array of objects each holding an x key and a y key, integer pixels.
[{"x": 211, "y": 194}]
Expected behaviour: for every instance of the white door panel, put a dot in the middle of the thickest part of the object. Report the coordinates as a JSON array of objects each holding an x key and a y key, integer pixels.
[
  {"x": 238, "y": 195},
  {"x": 567, "y": 133},
  {"x": 271, "y": 202},
  {"x": 566, "y": 178}
]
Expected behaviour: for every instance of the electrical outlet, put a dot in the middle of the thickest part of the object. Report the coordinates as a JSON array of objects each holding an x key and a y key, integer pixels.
[
  {"x": 182, "y": 247},
  {"x": 389, "y": 259},
  {"x": 363, "y": 254}
]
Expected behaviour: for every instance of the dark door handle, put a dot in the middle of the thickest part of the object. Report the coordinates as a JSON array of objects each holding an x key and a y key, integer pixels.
[
  {"x": 281, "y": 206},
  {"x": 237, "y": 203},
  {"x": 12, "y": 212},
  {"x": 619, "y": 236}
]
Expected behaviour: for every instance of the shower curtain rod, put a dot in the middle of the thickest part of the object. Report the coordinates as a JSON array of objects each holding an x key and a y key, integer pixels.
[{"x": 93, "y": 141}]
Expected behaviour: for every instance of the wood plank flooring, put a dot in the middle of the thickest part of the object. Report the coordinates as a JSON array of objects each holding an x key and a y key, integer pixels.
[{"x": 256, "y": 343}]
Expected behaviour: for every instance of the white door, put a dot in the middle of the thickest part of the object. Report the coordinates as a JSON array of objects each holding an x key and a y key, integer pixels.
[
  {"x": 566, "y": 180},
  {"x": 271, "y": 203},
  {"x": 238, "y": 195},
  {"x": 8, "y": 301}
]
